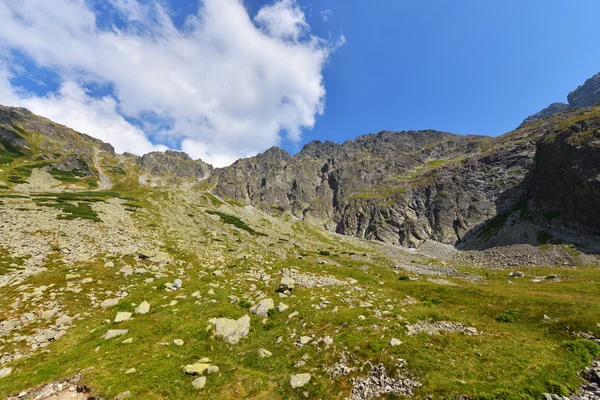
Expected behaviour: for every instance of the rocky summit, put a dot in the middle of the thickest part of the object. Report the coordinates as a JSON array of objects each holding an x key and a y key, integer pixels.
[{"x": 416, "y": 264}]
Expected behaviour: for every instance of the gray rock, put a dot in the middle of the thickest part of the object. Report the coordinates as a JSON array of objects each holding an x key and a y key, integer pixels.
[
  {"x": 587, "y": 94},
  {"x": 304, "y": 340},
  {"x": 299, "y": 380},
  {"x": 262, "y": 307},
  {"x": 263, "y": 353},
  {"x": 178, "y": 342},
  {"x": 112, "y": 333},
  {"x": 232, "y": 331},
  {"x": 196, "y": 369},
  {"x": 550, "y": 110},
  {"x": 199, "y": 383},
  {"x": 174, "y": 163},
  {"x": 286, "y": 284},
  {"x": 143, "y": 308},
  {"x": 110, "y": 302},
  {"x": 177, "y": 284},
  {"x": 4, "y": 372},
  {"x": 122, "y": 316}
]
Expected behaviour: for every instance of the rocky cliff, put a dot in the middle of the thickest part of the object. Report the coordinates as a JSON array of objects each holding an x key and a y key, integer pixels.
[
  {"x": 585, "y": 95},
  {"x": 408, "y": 187}
]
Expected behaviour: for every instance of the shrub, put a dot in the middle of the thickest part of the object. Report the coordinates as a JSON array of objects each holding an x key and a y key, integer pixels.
[
  {"x": 557, "y": 388},
  {"x": 430, "y": 301},
  {"x": 325, "y": 253},
  {"x": 245, "y": 303},
  {"x": 509, "y": 316},
  {"x": 584, "y": 349},
  {"x": 404, "y": 278}
]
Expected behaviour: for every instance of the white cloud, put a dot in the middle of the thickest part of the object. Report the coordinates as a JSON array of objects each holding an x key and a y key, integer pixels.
[
  {"x": 73, "y": 107},
  {"x": 325, "y": 14},
  {"x": 283, "y": 19},
  {"x": 228, "y": 88}
]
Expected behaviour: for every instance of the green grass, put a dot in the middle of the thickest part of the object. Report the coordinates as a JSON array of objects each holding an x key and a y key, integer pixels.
[
  {"x": 509, "y": 316},
  {"x": 235, "y": 221},
  {"x": 522, "y": 359}
]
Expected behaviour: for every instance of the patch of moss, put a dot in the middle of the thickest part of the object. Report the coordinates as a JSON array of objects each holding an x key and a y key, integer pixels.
[{"x": 235, "y": 221}]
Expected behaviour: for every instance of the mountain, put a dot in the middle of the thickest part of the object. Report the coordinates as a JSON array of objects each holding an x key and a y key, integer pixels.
[
  {"x": 585, "y": 95},
  {"x": 400, "y": 264},
  {"x": 408, "y": 187}
]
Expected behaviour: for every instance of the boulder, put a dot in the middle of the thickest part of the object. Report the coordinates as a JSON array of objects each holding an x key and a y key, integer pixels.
[
  {"x": 263, "y": 353},
  {"x": 143, "y": 308},
  {"x": 122, "y": 316},
  {"x": 199, "y": 383},
  {"x": 299, "y": 380},
  {"x": 232, "y": 331},
  {"x": 262, "y": 307},
  {"x": 114, "y": 333},
  {"x": 196, "y": 369},
  {"x": 286, "y": 284}
]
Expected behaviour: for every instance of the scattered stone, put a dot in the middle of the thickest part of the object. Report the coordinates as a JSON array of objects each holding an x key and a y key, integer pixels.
[
  {"x": 4, "y": 372},
  {"x": 282, "y": 307},
  {"x": 293, "y": 315},
  {"x": 435, "y": 327},
  {"x": 263, "y": 353},
  {"x": 299, "y": 380},
  {"x": 127, "y": 341},
  {"x": 196, "y": 369},
  {"x": 122, "y": 316},
  {"x": 231, "y": 330},
  {"x": 130, "y": 371},
  {"x": 199, "y": 383},
  {"x": 143, "y": 308},
  {"x": 110, "y": 302},
  {"x": 177, "y": 283},
  {"x": 304, "y": 340},
  {"x": 516, "y": 274},
  {"x": 262, "y": 307},
  {"x": 286, "y": 284},
  {"x": 114, "y": 333},
  {"x": 328, "y": 340},
  {"x": 378, "y": 383},
  {"x": 395, "y": 342},
  {"x": 178, "y": 342},
  {"x": 213, "y": 369}
]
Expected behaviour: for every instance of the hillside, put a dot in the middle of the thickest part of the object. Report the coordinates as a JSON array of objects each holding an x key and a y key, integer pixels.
[{"x": 159, "y": 277}]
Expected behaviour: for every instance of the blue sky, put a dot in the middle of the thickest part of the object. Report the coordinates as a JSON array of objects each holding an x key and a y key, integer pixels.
[
  {"x": 222, "y": 79},
  {"x": 466, "y": 66}
]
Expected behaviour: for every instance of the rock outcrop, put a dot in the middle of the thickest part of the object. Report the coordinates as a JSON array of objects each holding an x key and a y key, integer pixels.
[
  {"x": 551, "y": 109},
  {"x": 408, "y": 187},
  {"x": 174, "y": 162},
  {"x": 587, "y": 94}
]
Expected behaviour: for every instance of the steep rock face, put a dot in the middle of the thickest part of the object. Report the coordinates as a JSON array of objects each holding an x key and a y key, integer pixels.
[
  {"x": 551, "y": 109},
  {"x": 174, "y": 162},
  {"x": 400, "y": 188},
  {"x": 407, "y": 187},
  {"x": 587, "y": 94},
  {"x": 566, "y": 178}
]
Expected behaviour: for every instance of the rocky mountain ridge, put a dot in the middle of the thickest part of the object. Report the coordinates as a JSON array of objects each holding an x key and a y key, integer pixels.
[
  {"x": 585, "y": 95},
  {"x": 402, "y": 188},
  {"x": 408, "y": 187}
]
